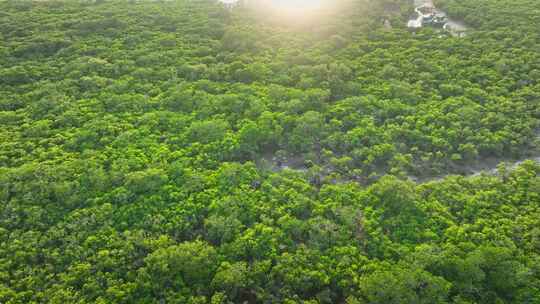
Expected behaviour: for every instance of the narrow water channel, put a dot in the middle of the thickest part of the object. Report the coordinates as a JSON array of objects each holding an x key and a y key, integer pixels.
[{"x": 454, "y": 27}]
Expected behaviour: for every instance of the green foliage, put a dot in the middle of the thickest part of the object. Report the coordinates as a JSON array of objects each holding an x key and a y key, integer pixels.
[{"x": 182, "y": 152}]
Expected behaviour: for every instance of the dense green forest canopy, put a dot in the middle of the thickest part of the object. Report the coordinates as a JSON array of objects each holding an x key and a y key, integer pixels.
[{"x": 184, "y": 152}]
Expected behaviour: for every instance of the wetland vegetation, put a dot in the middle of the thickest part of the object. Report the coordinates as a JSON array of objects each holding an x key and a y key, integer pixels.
[{"x": 192, "y": 152}]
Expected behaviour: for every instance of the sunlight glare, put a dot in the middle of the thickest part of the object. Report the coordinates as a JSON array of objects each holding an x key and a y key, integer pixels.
[
  {"x": 295, "y": 12},
  {"x": 297, "y": 5}
]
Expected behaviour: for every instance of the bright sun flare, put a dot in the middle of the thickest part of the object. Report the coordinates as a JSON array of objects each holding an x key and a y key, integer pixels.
[
  {"x": 298, "y": 10},
  {"x": 296, "y": 4}
]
